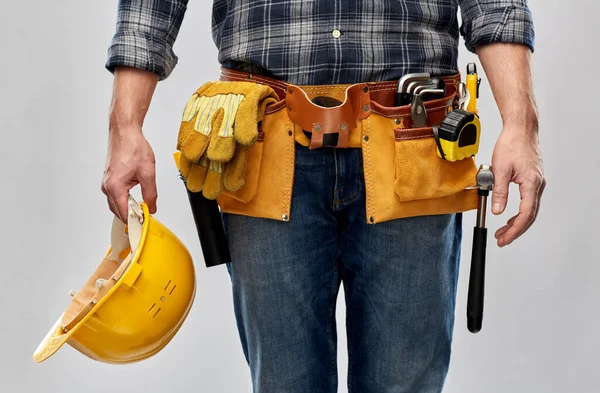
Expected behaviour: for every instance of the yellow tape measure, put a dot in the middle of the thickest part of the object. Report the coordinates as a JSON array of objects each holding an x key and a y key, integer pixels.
[{"x": 458, "y": 135}]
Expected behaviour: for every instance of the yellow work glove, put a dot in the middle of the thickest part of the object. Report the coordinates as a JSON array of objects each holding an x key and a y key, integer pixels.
[
  {"x": 206, "y": 176},
  {"x": 219, "y": 122}
]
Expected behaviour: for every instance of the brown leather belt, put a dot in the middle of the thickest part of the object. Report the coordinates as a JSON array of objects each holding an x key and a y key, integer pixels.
[{"x": 359, "y": 101}]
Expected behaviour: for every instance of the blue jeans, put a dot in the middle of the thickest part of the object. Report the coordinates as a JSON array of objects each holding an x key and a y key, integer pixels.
[{"x": 399, "y": 281}]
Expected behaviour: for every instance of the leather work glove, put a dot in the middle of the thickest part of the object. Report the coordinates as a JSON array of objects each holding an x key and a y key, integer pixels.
[{"x": 219, "y": 122}]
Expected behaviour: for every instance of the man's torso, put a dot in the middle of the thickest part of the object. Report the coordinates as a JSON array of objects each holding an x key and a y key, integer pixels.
[{"x": 337, "y": 41}]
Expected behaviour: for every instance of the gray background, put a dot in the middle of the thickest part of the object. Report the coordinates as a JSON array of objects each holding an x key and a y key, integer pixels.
[{"x": 540, "y": 327}]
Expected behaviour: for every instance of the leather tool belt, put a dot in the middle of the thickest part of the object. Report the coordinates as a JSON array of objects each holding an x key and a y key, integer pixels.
[
  {"x": 359, "y": 101},
  {"x": 404, "y": 177}
]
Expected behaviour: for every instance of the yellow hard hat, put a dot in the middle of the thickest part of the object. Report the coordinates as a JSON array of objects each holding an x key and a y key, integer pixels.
[{"x": 136, "y": 300}]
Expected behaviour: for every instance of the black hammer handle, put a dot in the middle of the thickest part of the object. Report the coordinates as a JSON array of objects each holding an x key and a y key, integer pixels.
[{"x": 477, "y": 281}]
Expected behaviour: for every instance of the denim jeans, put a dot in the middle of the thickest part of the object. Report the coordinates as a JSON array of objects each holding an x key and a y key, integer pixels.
[{"x": 399, "y": 282}]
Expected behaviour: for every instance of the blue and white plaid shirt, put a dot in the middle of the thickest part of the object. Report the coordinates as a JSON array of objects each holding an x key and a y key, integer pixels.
[{"x": 323, "y": 41}]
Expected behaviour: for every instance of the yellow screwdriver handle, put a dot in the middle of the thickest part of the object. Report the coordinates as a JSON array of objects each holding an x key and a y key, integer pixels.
[{"x": 472, "y": 86}]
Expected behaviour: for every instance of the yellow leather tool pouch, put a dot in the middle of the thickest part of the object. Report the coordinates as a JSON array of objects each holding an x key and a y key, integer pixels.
[
  {"x": 420, "y": 173},
  {"x": 404, "y": 177},
  {"x": 267, "y": 191}
]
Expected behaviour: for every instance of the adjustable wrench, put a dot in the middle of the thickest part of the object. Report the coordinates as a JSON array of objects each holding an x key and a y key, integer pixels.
[{"x": 464, "y": 96}]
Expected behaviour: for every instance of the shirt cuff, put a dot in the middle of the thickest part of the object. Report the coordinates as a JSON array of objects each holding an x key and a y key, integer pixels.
[
  {"x": 509, "y": 24},
  {"x": 142, "y": 51}
]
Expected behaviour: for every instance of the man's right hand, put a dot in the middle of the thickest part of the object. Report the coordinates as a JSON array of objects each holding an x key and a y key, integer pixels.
[{"x": 130, "y": 159}]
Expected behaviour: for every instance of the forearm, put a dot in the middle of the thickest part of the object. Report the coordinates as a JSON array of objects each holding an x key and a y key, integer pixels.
[
  {"x": 132, "y": 94},
  {"x": 508, "y": 70}
]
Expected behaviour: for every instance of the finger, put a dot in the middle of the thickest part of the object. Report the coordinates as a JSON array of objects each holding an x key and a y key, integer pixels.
[
  {"x": 116, "y": 195},
  {"x": 111, "y": 204},
  {"x": 148, "y": 185},
  {"x": 539, "y": 200},
  {"x": 112, "y": 207},
  {"x": 500, "y": 194},
  {"x": 504, "y": 228},
  {"x": 120, "y": 201},
  {"x": 527, "y": 213}
]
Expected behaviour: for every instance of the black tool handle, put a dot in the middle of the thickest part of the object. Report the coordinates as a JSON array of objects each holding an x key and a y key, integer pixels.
[
  {"x": 402, "y": 99},
  {"x": 477, "y": 281},
  {"x": 209, "y": 226}
]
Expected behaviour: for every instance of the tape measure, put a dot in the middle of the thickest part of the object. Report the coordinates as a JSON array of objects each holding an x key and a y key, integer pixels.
[{"x": 458, "y": 136}]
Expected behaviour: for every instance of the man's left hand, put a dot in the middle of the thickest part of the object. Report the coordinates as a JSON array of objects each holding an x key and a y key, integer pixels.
[{"x": 517, "y": 159}]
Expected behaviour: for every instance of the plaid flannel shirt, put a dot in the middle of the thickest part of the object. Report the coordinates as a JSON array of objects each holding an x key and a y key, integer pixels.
[{"x": 322, "y": 41}]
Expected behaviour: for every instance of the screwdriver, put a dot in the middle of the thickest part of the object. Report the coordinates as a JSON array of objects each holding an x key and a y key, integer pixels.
[
  {"x": 485, "y": 182},
  {"x": 473, "y": 82}
]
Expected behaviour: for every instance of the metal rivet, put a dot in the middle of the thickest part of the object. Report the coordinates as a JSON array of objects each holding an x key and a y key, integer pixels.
[
  {"x": 366, "y": 108},
  {"x": 291, "y": 91},
  {"x": 249, "y": 76},
  {"x": 284, "y": 217},
  {"x": 318, "y": 128},
  {"x": 365, "y": 89},
  {"x": 343, "y": 126},
  {"x": 162, "y": 298},
  {"x": 371, "y": 219},
  {"x": 366, "y": 138},
  {"x": 397, "y": 121},
  {"x": 100, "y": 283},
  {"x": 290, "y": 107},
  {"x": 290, "y": 133},
  {"x": 419, "y": 109}
]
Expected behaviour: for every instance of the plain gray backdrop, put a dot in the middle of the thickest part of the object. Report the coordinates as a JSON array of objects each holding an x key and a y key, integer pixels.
[{"x": 541, "y": 325}]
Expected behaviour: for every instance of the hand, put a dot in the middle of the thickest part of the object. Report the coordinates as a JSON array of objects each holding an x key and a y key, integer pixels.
[
  {"x": 130, "y": 161},
  {"x": 517, "y": 159}
]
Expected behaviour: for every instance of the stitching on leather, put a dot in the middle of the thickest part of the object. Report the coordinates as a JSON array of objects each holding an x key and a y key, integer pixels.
[
  {"x": 323, "y": 90},
  {"x": 323, "y": 87},
  {"x": 428, "y": 110},
  {"x": 369, "y": 191},
  {"x": 390, "y": 116},
  {"x": 404, "y": 138},
  {"x": 289, "y": 175},
  {"x": 383, "y": 88},
  {"x": 438, "y": 108}
]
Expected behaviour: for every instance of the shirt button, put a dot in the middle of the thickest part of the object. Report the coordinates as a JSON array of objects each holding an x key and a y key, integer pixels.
[{"x": 336, "y": 33}]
